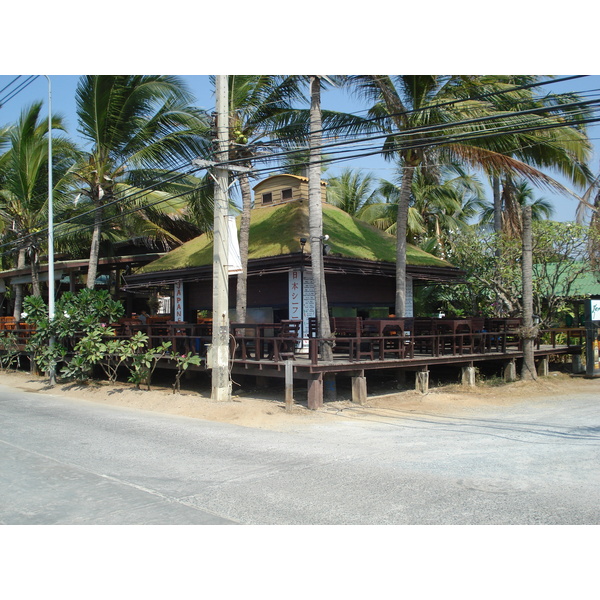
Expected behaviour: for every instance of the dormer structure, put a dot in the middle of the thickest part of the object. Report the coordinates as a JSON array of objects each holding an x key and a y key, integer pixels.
[{"x": 279, "y": 189}]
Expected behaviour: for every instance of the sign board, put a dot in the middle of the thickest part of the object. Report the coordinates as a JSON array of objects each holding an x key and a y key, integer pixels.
[
  {"x": 592, "y": 343},
  {"x": 301, "y": 299},
  {"x": 178, "y": 300},
  {"x": 594, "y": 310},
  {"x": 234, "y": 260}
]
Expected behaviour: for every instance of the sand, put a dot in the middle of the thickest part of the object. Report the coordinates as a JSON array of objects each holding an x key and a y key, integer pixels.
[{"x": 264, "y": 408}]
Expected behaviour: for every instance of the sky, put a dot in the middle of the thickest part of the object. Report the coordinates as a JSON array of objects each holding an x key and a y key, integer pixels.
[{"x": 63, "y": 102}]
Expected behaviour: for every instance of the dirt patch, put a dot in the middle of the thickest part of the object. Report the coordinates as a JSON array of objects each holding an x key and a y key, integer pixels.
[{"x": 264, "y": 408}]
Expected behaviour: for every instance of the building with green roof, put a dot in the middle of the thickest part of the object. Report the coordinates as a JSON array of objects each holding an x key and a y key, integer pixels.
[{"x": 359, "y": 262}]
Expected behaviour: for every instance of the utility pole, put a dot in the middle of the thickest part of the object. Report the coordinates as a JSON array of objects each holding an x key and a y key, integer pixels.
[
  {"x": 221, "y": 383},
  {"x": 315, "y": 216}
]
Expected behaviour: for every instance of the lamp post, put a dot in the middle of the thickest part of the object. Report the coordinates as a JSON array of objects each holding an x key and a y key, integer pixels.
[{"x": 51, "y": 370}]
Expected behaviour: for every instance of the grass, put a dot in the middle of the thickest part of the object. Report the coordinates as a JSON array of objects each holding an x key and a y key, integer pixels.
[{"x": 276, "y": 231}]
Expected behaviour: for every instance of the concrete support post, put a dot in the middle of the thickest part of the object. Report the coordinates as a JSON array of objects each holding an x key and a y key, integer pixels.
[
  {"x": 289, "y": 385},
  {"x": 422, "y": 381},
  {"x": 315, "y": 392},
  {"x": 510, "y": 371},
  {"x": 468, "y": 376},
  {"x": 543, "y": 368},
  {"x": 577, "y": 365},
  {"x": 359, "y": 390}
]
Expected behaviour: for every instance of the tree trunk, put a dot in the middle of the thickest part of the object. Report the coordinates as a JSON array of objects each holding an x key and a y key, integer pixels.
[
  {"x": 242, "y": 278},
  {"x": 497, "y": 204},
  {"x": 401, "y": 225},
  {"x": 19, "y": 287},
  {"x": 529, "y": 333},
  {"x": 35, "y": 273},
  {"x": 95, "y": 249},
  {"x": 315, "y": 211}
]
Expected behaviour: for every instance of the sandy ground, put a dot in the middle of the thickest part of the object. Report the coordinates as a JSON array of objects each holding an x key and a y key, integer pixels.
[{"x": 265, "y": 407}]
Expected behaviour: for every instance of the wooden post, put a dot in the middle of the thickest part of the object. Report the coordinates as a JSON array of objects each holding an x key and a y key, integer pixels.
[
  {"x": 289, "y": 385},
  {"x": 329, "y": 387},
  {"x": 315, "y": 392},
  {"x": 400, "y": 378}
]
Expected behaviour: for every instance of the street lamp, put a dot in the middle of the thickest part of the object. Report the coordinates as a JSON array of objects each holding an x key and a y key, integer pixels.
[{"x": 51, "y": 370}]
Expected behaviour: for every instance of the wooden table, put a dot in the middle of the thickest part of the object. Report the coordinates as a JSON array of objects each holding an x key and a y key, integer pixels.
[
  {"x": 387, "y": 334},
  {"x": 451, "y": 334}
]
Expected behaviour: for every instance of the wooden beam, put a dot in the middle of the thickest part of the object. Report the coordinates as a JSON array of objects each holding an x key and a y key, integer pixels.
[{"x": 315, "y": 391}]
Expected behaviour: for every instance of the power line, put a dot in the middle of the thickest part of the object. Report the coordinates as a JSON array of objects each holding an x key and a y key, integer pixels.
[
  {"x": 426, "y": 142},
  {"x": 18, "y": 90}
]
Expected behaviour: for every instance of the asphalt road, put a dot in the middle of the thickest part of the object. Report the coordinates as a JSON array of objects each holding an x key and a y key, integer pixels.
[{"x": 64, "y": 461}]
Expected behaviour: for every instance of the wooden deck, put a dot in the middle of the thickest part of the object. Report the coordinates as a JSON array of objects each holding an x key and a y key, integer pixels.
[{"x": 275, "y": 350}]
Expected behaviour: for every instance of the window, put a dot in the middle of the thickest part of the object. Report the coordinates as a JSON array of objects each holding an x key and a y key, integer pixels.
[
  {"x": 286, "y": 194},
  {"x": 267, "y": 198},
  {"x": 164, "y": 305}
]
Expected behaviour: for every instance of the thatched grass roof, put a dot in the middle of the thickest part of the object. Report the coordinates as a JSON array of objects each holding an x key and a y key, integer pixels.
[{"x": 276, "y": 231}]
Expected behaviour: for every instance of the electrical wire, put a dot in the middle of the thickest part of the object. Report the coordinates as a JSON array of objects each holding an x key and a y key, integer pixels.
[
  {"x": 377, "y": 150},
  {"x": 18, "y": 90}
]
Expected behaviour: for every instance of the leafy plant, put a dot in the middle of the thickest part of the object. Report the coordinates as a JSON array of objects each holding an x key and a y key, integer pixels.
[
  {"x": 116, "y": 353},
  {"x": 144, "y": 361},
  {"x": 182, "y": 362},
  {"x": 9, "y": 350},
  {"x": 143, "y": 365}
]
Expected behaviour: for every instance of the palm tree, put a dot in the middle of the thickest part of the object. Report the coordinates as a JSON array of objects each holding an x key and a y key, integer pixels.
[
  {"x": 265, "y": 115},
  {"x": 529, "y": 333},
  {"x": 443, "y": 199},
  {"x": 421, "y": 112},
  {"x": 24, "y": 187},
  {"x": 516, "y": 196},
  {"x": 352, "y": 191},
  {"x": 260, "y": 110},
  {"x": 136, "y": 126}
]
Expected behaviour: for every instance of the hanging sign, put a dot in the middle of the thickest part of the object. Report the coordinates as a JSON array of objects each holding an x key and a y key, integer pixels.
[
  {"x": 234, "y": 261},
  {"x": 301, "y": 300},
  {"x": 178, "y": 300}
]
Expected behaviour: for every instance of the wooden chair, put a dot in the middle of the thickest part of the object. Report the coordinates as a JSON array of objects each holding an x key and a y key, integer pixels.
[
  {"x": 284, "y": 345},
  {"x": 348, "y": 338}
]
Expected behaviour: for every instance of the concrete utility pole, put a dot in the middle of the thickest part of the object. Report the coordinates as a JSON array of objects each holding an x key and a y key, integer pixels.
[
  {"x": 315, "y": 216},
  {"x": 221, "y": 383}
]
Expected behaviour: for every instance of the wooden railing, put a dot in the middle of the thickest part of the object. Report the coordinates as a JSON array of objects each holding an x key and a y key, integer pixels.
[{"x": 274, "y": 342}]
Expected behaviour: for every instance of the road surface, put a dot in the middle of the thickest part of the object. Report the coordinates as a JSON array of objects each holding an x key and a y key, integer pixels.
[{"x": 66, "y": 461}]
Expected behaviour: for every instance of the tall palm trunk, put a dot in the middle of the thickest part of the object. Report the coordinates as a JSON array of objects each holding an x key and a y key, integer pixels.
[
  {"x": 401, "y": 226},
  {"x": 497, "y": 204},
  {"x": 19, "y": 287},
  {"x": 529, "y": 332},
  {"x": 35, "y": 272},
  {"x": 315, "y": 217},
  {"x": 95, "y": 249},
  {"x": 242, "y": 278}
]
